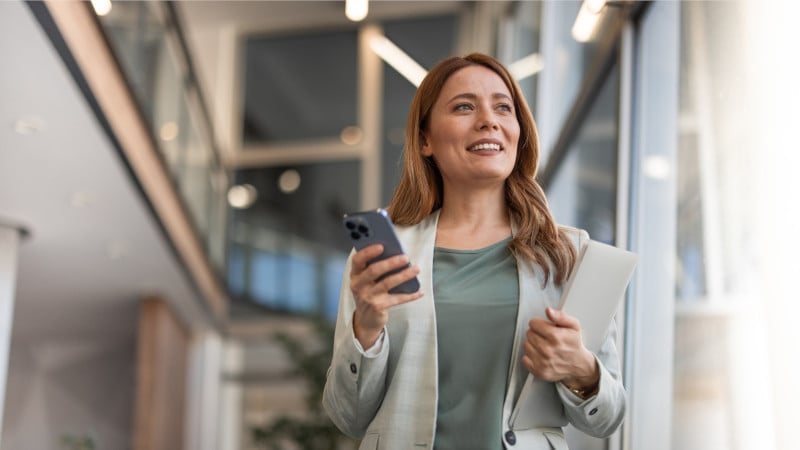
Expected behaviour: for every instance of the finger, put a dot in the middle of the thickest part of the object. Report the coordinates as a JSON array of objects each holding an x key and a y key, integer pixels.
[
  {"x": 562, "y": 319},
  {"x": 538, "y": 350},
  {"x": 399, "y": 299},
  {"x": 528, "y": 364},
  {"x": 543, "y": 328},
  {"x": 364, "y": 256},
  {"x": 380, "y": 268},
  {"x": 397, "y": 279}
]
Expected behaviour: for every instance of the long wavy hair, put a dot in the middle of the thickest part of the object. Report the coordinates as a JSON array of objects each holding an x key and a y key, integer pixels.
[{"x": 420, "y": 190}]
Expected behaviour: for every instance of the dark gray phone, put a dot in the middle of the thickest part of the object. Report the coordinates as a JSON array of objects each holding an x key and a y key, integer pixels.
[{"x": 375, "y": 227}]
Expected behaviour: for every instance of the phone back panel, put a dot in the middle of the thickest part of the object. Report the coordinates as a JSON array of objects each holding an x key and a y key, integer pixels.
[{"x": 375, "y": 227}]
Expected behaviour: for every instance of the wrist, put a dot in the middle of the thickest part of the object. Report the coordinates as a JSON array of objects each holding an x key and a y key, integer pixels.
[
  {"x": 366, "y": 337},
  {"x": 588, "y": 383}
]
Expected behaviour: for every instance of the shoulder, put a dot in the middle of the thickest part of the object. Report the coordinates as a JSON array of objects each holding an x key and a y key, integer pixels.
[{"x": 577, "y": 236}]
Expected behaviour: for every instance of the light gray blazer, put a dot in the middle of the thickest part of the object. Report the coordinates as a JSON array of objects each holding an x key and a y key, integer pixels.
[{"x": 389, "y": 400}]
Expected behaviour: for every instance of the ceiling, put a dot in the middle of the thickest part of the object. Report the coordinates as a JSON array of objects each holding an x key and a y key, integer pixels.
[{"x": 94, "y": 247}]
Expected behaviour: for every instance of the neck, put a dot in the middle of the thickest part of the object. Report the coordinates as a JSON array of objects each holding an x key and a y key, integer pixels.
[{"x": 473, "y": 219}]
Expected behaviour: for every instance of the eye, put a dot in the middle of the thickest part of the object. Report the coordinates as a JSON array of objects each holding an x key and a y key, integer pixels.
[
  {"x": 505, "y": 107},
  {"x": 463, "y": 107}
]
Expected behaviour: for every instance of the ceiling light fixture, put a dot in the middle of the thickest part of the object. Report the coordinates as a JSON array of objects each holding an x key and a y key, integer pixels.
[
  {"x": 526, "y": 66},
  {"x": 289, "y": 181},
  {"x": 82, "y": 199},
  {"x": 588, "y": 19},
  {"x": 351, "y": 135},
  {"x": 356, "y": 10},
  {"x": 398, "y": 59},
  {"x": 29, "y": 125},
  {"x": 242, "y": 196},
  {"x": 169, "y": 131},
  {"x": 117, "y": 250},
  {"x": 101, "y": 7}
]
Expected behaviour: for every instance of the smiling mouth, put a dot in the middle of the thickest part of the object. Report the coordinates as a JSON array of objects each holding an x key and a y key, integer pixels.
[{"x": 479, "y": 147}]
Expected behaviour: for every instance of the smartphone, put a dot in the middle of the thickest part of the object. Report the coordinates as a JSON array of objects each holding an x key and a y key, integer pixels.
[{"x": 375, "y": 227}]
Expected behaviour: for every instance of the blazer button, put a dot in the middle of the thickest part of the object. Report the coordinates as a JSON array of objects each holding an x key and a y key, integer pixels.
[
  {"x": 511, "y": 438},
  {"x": 354, "y": 369},
  {"x": 593, "y": 411}
]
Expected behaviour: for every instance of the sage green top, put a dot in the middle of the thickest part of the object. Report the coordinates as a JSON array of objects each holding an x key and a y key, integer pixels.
[{"x": 476, "y": 293}]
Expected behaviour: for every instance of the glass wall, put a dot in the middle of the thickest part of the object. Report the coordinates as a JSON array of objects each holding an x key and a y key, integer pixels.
[
  {"x": 146, "y": 42},
  {"x": 712, "y": 193},
  {"x": 717, "y": 303},
  {"x": 583, "y": 192},
  {"x": 729, "y": 328}
]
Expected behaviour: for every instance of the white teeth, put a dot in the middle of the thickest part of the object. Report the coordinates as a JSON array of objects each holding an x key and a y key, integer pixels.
[{"x": 475, "y": 148}]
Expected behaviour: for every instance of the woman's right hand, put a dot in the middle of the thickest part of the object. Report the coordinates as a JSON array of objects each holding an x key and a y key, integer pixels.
[{"x": 373, "y": 299}]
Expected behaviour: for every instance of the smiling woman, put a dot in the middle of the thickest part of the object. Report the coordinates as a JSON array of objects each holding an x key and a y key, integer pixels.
[{"x": 447, "y": 366}]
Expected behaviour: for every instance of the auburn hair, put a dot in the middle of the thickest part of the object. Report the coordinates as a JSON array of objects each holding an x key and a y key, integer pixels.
[{"x": 420, "y": 190}]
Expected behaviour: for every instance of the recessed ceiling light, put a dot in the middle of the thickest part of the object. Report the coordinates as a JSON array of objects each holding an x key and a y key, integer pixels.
[
  {"x": 242, "y": 196},
  {"x": 101, "y": 7},
  {"x": 29, "y": 125},
  {"x": 81, "y": 199},
  {"x": 356, "y": 10},
  {"x": 117, "y": 250},
  {"x": 169, "y": 131},
  {"x": 289, "y": 181},
  {"x": 351, "y": 135}
]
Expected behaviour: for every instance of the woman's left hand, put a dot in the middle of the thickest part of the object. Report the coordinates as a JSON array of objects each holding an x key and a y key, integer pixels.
[{"x": 554, "y": 351}]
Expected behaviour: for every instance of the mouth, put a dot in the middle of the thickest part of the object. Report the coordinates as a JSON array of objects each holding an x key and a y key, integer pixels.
[{"x": 485, "y": 146}]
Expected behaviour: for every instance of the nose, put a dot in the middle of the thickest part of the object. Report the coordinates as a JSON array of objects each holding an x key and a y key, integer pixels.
[{"x": 486, "y": 121}]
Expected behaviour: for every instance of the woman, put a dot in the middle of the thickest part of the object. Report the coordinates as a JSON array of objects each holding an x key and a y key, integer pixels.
[{"x": 444, "y": 367}]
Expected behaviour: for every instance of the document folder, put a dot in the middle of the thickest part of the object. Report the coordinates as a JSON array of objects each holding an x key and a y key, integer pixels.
[{"x": 591, "y": 294}]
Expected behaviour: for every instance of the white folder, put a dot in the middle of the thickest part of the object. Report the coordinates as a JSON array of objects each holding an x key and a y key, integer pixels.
[{"x": 592, "y": 295}]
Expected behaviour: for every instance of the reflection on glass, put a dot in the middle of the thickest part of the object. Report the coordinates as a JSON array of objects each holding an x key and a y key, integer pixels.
[{"x": 583, "y": 191}]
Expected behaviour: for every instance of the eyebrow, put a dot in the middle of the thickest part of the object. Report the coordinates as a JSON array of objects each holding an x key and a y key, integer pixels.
[{"x": 469, "y": 96}]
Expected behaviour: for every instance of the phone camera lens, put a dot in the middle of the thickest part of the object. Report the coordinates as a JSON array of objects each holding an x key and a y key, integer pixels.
[
  {"x": 363, "y": 229},
  {"x": 350, "y": 225},
  {"x": 355, "y": 235}
]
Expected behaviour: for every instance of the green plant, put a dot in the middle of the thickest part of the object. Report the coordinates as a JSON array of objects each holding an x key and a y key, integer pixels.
[
  {"x": 310, "y": 361},
  {"x": 72, "y": 442}
]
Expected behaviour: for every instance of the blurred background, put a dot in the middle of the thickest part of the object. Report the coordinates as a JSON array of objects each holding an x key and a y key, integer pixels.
[{"x": 173, "y": 174}]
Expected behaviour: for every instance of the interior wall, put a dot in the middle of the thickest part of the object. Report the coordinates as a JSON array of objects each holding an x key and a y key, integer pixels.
[{"x": 62, "y": 387}]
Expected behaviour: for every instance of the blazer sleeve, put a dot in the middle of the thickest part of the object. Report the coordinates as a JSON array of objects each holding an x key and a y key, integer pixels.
[
  {"x": 356, "y": 382},
  {"x": 600, "y": 415}
]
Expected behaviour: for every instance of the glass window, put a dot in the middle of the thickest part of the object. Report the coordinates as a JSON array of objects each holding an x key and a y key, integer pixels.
[
  {"x": 427, "y": 40},
  {"x": 583, "y": 192},
  {"x": 728, "y": 266},
  {"x": 294, "y": 232},
  {"x": 726, "y": 305},
  {"x": 519, "y": 39},
  {"x": 566, "y": 62},
  {"x": 299, "y": 87}
]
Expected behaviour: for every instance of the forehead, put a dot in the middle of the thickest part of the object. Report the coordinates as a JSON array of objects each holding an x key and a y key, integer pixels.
[{"x": 473, "y": 80}]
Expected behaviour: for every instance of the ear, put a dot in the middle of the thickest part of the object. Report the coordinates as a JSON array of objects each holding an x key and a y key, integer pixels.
[{"x": 426, "y": 149}]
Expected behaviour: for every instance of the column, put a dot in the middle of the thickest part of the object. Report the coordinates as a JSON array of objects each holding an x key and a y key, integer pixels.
[{"x": 9, "y": 243}]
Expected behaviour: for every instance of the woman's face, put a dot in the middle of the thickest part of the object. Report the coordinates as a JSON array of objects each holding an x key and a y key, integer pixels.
[{"x": 472, "y": 129}]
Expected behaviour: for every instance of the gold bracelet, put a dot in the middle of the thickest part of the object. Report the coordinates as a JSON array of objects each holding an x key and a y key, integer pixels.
[{"x": 584, "y": 392}]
